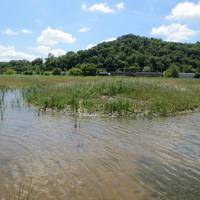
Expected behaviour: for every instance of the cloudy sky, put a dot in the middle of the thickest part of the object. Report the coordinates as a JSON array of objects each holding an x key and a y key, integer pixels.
[{"x": 33, "y": 28}]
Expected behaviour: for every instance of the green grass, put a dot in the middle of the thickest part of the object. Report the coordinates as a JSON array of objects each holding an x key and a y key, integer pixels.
[{"x": 144, "y": 97}]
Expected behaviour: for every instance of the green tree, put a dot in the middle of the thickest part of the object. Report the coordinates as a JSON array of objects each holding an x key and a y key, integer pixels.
[
  {"x": 28, "y": 72},
  {"x": 88, "y": 69},
  {"x": 10, "y": 72},
  {"x": 187, "y": 69},
  {"x": 37, "y": 62},
  {"x": 75, "y": 72},
  {"x": 57, "y": 72},
  {"x": 134, "y": 68},
  {"x": 172, "y": 72},
  {"x": 147, "y": 69}
]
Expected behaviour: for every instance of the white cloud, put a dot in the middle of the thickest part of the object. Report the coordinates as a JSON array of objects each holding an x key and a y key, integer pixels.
[
  {"x": 89, "y": 46},
  {"x": 120, "y": 6},
  {"x": 52, "y": 37},
  {"x": 185, "y": 10},
  {"x": 103, "y": 7},
  {"x": 10, "y": 53},
  {"x": 174, "y": 32},
  {"x": 109, "y": 39},
  {"x": 9, "y": 32},
  {"x": 84, "y": 30},
  {"x": 43, "y": 51},
  {"x": 26, "y": 31},
  {"x": 98, "y": 7}
]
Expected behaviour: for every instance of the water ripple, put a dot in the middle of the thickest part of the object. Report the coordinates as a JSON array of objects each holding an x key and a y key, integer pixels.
[{"x": 101, "y": 159}]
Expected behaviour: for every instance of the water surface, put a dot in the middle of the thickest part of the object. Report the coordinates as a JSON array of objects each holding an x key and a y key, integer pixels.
[{"x": 101, "y": 159}]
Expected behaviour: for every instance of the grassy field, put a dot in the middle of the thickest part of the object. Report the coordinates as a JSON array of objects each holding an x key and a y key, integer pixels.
[{"x": 116, "y": 96}]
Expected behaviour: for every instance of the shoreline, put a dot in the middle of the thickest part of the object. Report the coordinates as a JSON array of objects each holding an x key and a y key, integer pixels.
[{"x": 66, "y": 112}]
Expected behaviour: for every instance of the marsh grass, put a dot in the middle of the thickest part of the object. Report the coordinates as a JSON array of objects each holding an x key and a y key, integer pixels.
[{"x": 145, "y": 97}]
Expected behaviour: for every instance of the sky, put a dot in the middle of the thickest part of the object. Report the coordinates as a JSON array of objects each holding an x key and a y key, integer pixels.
[{"x": 34, "y": 28}]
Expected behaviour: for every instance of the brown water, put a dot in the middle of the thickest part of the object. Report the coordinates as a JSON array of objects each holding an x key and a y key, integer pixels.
[{"x": 102, "y": 159}]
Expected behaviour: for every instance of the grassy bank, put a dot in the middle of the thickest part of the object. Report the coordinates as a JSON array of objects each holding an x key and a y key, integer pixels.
[{"x": 111, "y": 96}]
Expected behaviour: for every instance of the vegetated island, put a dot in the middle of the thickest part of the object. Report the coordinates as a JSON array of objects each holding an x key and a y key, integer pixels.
[{"x": 112, "y": 96}]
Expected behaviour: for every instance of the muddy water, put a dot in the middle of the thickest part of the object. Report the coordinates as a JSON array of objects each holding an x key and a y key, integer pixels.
[{"x": 101, "y": 159}]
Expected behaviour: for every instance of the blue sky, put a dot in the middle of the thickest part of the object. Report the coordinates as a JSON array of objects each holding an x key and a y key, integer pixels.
[{"x": 33, "y": 28}]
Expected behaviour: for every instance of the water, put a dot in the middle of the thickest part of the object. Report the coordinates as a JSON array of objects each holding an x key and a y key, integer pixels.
[{"x": 101, "y": 159}]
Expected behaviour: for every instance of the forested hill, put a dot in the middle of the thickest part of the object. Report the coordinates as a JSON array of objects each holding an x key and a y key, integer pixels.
[
  {"x": 127, "y": 53},
  {"x": 132, "y": 51}
]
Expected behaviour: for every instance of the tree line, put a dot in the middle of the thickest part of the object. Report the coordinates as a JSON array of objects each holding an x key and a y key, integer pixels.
[{"x": 129, "y": 53}]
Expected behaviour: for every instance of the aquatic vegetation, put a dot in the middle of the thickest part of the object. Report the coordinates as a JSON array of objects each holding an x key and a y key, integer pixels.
[
  {"x": 115, "y": 96},
  {"x": 24, "y": 192}
]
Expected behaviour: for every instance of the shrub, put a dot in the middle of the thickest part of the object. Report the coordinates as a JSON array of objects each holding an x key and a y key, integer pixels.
[
  {"x": 147, "y": 69},
  {"x": 46, "y": 73},
  {"x": 88, "y": 69},
  {"x": 198, "y": 69},
  {"x": 197, "y": 75},
  {"x": 75, "y": 72},
  {"x": 28, "y": 72},
  {"x": 187, "y": 69},
  {"x": 172, "y": 72},
  {"x": 134, "y": 68},
  {"x": 57, "y": 72},
  {"x": 167, "y": 73},
  {"x": 10, "y": 72}
]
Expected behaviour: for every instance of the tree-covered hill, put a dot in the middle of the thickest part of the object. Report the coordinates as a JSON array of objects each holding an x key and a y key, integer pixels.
[{"x": 127, "y": 53}]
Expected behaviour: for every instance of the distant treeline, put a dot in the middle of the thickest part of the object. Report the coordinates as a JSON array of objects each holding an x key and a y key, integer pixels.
[{"x": 128, "y": 53}]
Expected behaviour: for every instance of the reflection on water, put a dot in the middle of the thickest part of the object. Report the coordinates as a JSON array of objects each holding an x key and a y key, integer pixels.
[
  {"x": 2, "y": 103},
  {"x": 100, "y": 159}
]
